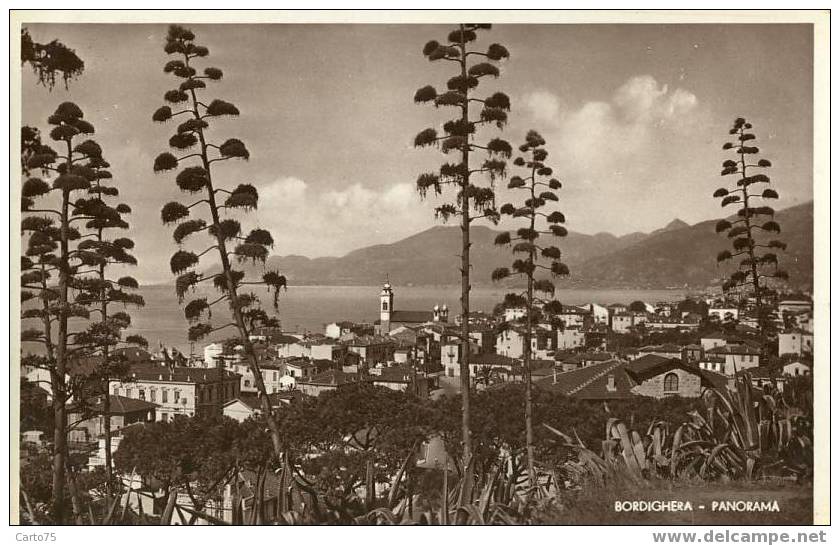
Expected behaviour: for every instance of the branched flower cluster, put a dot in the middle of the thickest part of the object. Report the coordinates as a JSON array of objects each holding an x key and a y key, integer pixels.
[
  {"x": 751, "y": 232},
  {"x": 190, "y": 139},
  {"x": 458, "y": 135},
  {"x": 540, "y": 188}
]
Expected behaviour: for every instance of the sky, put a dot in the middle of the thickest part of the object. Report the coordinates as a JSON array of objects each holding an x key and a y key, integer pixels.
[{"x": 634, "y": 117}]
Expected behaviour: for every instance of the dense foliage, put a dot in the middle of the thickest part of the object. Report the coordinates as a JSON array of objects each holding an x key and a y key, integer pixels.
[{"x": 50, "y": 60}]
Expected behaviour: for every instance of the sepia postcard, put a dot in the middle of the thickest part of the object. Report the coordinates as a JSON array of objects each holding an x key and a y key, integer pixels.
[{"x": 439, "y": 268}]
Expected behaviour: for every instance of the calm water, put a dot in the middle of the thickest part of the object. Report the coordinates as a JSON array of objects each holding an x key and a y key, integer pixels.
[{"x": 310, "y": 308}]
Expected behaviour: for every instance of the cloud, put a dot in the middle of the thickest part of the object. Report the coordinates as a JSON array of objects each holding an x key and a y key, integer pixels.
[
  {"x": 543, "y": 105},
  {"x": 313, "y": 221},
  {"x": 616, "y": 146}
]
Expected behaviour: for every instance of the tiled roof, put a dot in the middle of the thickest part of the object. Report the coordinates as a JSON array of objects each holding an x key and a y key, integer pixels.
[
  {"x": 412, "y": 316},
  {"x": 714, "y": 379},
  {"x": 119, "y": 405},
  {"x": 163, "y": 373},
  {"x": 370, "y": 340},
  {"x": 661, "y": 348},
  {"x": 332, "y": 377},
  {"x": 647, "y": 363},
  {"x": 285, "y": 339},
  {"x": 591, "y": 382},
  {"x": 734, "y": 349},
  {"x": 276, "y": 399}
]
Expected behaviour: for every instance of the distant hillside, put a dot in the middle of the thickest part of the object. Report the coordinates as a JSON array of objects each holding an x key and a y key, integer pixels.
[
  {"x": 430, "y": 258},
  {"x": 674, "y": 256},
  {"x": 677, "y": 256}
]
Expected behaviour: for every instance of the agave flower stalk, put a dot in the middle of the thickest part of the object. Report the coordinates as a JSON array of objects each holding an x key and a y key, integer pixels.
[
  {"x": 748, "y": 231},
  {"x": 473, "y": 200},
  {"x": 540, "y": 189},
  {"x": 99, "y": 291},
  {"x": 53, "y": 246},
  {"x": 191, "y": 136}
]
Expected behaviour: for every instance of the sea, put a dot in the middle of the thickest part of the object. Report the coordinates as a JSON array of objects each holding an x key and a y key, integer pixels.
[{"x": 310, "y": 308}]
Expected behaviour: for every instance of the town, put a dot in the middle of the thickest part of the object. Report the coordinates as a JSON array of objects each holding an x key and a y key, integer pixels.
[{"x": 596, "y": 352}]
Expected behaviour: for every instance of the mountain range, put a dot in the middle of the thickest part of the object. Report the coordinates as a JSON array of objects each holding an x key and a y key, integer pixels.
[{"x": 678, "y": 255}]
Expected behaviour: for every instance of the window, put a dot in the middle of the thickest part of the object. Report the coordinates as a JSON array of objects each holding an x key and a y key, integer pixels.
[
  {"x": 176, "y": 396},
  {"x": 164, "y": 397},
  {"x": 672, "y": 382},
  {"x": 152, "y": 395},
  {"x": 247, "y": 383},
  {"x": 384, "y": 305},
  {"x": 116, "y": 390},
  {"x": 142, "y": 393},
  {"x": 129, "y": 392},
  {"x": 164, "y": 416}
]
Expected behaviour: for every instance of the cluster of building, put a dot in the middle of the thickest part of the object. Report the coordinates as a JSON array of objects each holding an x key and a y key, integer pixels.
[{"x": 421, "y": 351}]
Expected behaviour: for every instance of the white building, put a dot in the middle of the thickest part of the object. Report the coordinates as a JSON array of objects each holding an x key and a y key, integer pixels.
[
  {"x": 712, "y": 341},
  {"x": 450, "y": 356},
  {"x": 796, "y": 342},
  {"x": 187, "y": 391},
  {"x": 796, "y": 368},
  {"x": 510, "y": 343},
  {"x": 570, "y": 338},
  {"x": 573, "y": 316},
  {"x": 600, "y": 314},
  {"x": 736, "y": 357},
  {"x": 335, "y": 330},
  {"x": 622, "y": 323}
]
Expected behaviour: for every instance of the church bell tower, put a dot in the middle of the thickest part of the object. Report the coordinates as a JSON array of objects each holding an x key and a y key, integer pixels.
[{"x": 386, "y": 306}]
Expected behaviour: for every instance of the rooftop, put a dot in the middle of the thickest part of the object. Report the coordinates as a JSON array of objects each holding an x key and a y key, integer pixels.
[
  {"x": 412, "y": 316},
  {"x": 735, "y": 349},
  {"x": 163, "y": 373},
  {"x": 593, "y": 382},
  {"x": 332, "y": 377},
  {"x": 118, "y": 405}
]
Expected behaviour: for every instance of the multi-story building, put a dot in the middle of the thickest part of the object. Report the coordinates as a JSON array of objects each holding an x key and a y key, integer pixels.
[
  {"x": 510, "y": 342},
  {"x": 570, "y": 338},
  {"x": 796, "y": 341},
  {"x": 372, "y": 349},
  {"x": 88, "y": 423},
  {"x": 186, "y": 391},
  {"x": 622, "y": 322},
  {"x": 574, "y": 317},
  {"x": 450, "y": 355},
  {"x": 600, "y": 314},
  {"x": 736, "y": 357}
]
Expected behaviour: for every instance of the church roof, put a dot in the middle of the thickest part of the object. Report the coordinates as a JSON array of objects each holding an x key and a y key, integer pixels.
[{"x": 412, "y": 316}]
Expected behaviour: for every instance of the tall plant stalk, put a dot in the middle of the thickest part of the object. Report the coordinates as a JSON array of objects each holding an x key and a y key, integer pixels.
[
  {"x": 225, "y": 232},
  {"x": 540, "y": 191},
  {"x": 753, "y": 223},
  {"x": 53, "y": 247},
  {"x": 473, "y": 201},
  {"x": 99, "y": 291}
]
